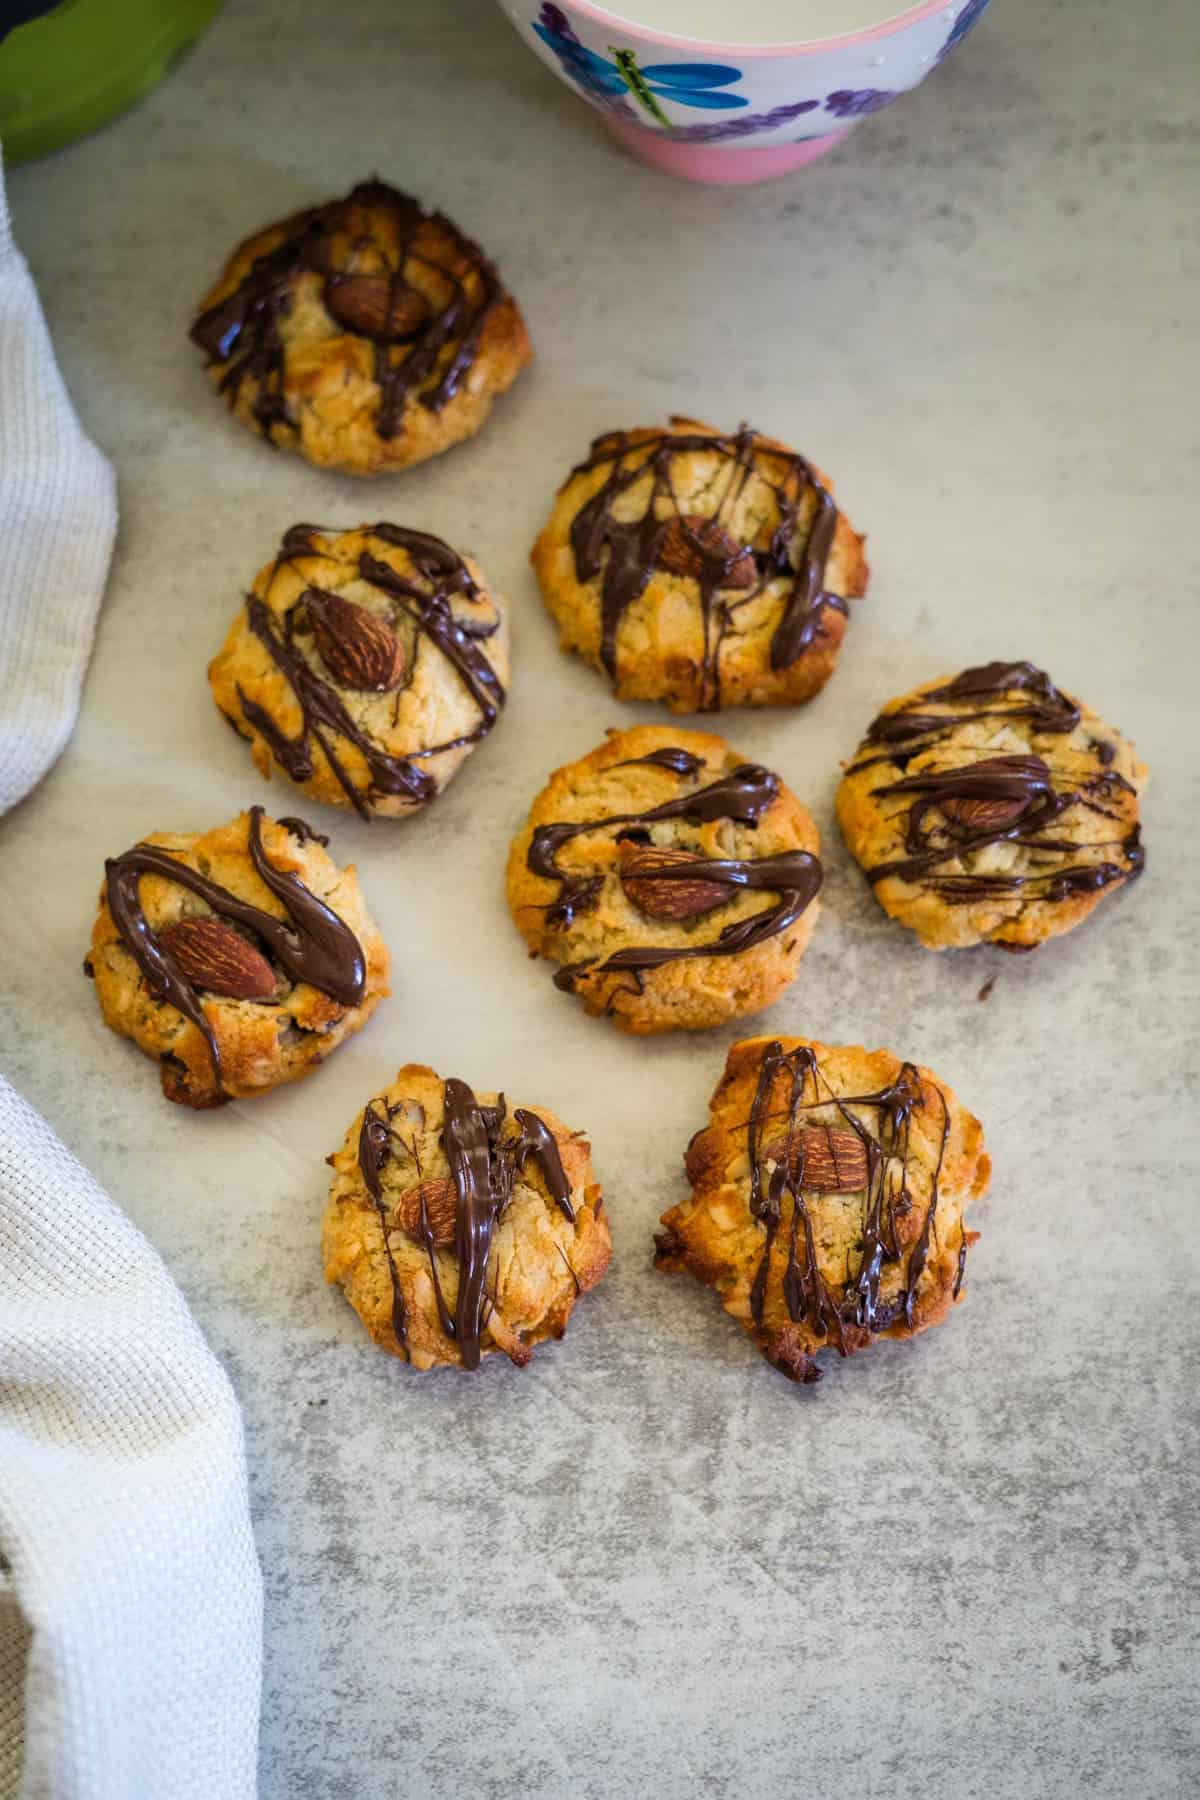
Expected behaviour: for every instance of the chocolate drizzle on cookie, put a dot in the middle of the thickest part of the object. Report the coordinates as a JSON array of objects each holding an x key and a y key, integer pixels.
[
  {"x": 312, "y": 943},
  {"x": 680, "y": 762},
  {"x": 424, "y": 316},
  {"x": 485, "y": 1161},
  {"x": 1039, "y": 702},
  {"x": 730, "y": 574},
  {"x": 374, "y": 1151},
  {"x": 303, "y": 832},
  {"x": 422, "y": 601},
  {"x": 743, "y": 796},
  {"x": 790, "y": 1088},
  {"x": 957, "y": 810}
]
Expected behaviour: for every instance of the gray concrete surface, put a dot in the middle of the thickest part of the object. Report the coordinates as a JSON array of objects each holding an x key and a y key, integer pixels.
[{"x": 964, "y": 1567}]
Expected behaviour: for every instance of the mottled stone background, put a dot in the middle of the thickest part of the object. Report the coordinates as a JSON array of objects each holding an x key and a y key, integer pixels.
[{"x": 648, "y": 1566}]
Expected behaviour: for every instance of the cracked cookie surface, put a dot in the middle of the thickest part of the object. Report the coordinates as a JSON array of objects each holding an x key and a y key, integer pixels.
[
  {"x": 237, "y": 958},
  {"x": 673, "y": 882},
  {"x": 828, "y": 1196},
  {"x": 992, "y": 808},
  {"x": 702, "y": 568},
  {"x": 366, "y": 334},
  {"x": 458, "y": 1226},
  {"x": 366, "y": 664}
]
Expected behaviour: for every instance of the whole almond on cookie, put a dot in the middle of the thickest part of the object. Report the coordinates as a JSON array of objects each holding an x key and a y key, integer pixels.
[
  {"x": 212, "y": 955},
  {"x": 693, "y": 546},
  {"x": 824, "y": 1158},
  {"x": 668, "y": 896},
  {"x": 978, "y": 814},
  {"x": 439, "y": 1201},
  {"x": 992, "y": 812},
  {"x": 358, "y": 649},
  {"x": 377, "y": 306}
]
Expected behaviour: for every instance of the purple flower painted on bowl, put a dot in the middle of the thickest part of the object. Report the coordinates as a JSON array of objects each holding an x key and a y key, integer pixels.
[
  {"x": 970, "y": 15},
  {"x": 720, "y": 131},
  {"x": 855, "y": 103},
  {"x": 686, "y": 84}
]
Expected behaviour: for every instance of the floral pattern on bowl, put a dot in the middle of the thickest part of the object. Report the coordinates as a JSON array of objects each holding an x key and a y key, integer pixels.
[
  {"x": 639, "y": 79},
  {"x": 966, "y": 21},
  {"x": 687, "y": 84},
  {"x": 724, "y": 131},
  {"x": 856, "y": 103}
]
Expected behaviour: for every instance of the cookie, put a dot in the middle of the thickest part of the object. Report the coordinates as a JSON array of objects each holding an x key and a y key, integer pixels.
[
  {"x": 991, "y": 808},
  {"x": 675, "y": 883},
  {"x": 366, "y": 664},
  {"x": 457, "y": 1226},
  {"x": 827, "y": 1198},
  {"x": 699, "y": 567},
  {"x": 238, "y": 958},
  {"x": 366, "y": 334}
]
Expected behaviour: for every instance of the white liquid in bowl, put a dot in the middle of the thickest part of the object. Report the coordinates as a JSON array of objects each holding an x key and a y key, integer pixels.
[{"x": 758, "y": 21}]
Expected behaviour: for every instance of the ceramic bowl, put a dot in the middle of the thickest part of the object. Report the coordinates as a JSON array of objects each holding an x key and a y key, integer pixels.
[{"x": 723, "y": 113}]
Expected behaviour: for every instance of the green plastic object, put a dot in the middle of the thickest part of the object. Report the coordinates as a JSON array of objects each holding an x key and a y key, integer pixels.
[{"x": 77, "y": 67}]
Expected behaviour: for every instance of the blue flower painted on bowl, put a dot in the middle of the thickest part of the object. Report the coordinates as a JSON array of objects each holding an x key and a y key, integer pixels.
[
  {"x": 855, "y": 103},
  {"x": 970, "y": 15},
  {"x": 687, "y": 84}
]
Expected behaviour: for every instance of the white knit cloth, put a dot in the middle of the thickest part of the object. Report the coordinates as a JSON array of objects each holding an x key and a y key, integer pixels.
[
  {"x": 58, "y": 517},
  {"x": 130, "y": 1613},
  {"x": 130, "y": 1597}
]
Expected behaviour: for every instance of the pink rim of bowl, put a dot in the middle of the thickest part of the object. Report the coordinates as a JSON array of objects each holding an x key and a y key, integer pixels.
[
  {"x": 603, "y": 15},
  {"x": 716, "y": 165}
]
